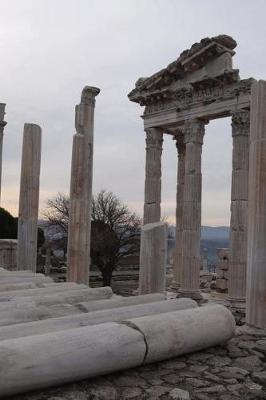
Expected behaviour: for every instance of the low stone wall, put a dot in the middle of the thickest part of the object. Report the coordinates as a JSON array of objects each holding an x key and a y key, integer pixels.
[{"x": 8, "y": 254}]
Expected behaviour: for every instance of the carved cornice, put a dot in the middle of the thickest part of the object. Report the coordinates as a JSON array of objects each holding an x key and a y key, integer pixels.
[
  {"x": 189, "y": 60},
  {"x": 154, "y": 138},
  {"x": 194, "y": 131},
  {"x": 241, "y": 123},
  {"x": 88, "y": 95},
  {"x": 187, "y": 97}
]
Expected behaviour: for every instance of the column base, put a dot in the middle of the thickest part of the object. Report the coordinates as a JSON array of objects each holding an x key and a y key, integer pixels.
[
  {"x": 236, "y": 302},
  {"x": 237, "y": 307},
  {"x": 192, "y": 294},
  {"x": 174, "y": 287}
]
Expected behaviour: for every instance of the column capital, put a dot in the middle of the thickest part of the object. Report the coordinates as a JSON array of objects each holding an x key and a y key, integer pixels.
[
  {"x": 154, "y": 138},
  {"x": 194, "y": 130},
  {"x": 179, "y": 141},
  {"x": 88, "y": 95},
  {"x": 240, "y": 123}
]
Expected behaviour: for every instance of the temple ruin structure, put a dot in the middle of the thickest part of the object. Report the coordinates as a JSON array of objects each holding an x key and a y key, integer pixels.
[{"x": 180, "y": 100}]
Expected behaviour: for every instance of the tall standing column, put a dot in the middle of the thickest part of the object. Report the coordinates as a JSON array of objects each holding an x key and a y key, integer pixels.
[
  {"x": 2, "y": 125},
  {"x": 190, "y": 266},
  {"x": 152, "y": 205},
  {"x": 181, "y": 150},
  {"x": 256, "y": 258},
  {"x": 78, "y": 252},
  {"x": 239, "y": 208},
  {"x": 29, "y": 198}
]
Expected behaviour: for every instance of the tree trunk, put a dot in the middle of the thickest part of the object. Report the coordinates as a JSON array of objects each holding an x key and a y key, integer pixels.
[{"x": 107, "y": 277}]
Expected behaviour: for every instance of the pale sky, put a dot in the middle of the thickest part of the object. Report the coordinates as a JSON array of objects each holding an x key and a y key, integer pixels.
[{"x": 51, "y": 49}]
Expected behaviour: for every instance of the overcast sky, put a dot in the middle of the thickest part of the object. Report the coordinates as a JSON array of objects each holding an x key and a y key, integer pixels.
[{"x": 51, "y": 49}]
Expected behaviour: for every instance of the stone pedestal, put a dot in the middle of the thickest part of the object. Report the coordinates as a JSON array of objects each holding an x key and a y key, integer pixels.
[
  {"x": 152, "y": 202},
  {"x": 190, "y": 266},
  {"x": 256, "y": 259},
  {"x": 78, "y": 253},
  {"x": 181, "y": 149},
  {"x": 29, "y": 198},
  {"x": 239, "y": 208},
  {"x": 153, "y": 258}
]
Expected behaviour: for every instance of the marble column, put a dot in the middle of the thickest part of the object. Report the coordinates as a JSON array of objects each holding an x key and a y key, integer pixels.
[
  {"x": 29, "y": 198},
  {"x": 190, "y": 264},
  {"x": 256, "y": 254},
  {"x": 152, "y": 202},
  {"x": 181, "y": 150},
  {"x": 78, "y": 253},
  {"x": 239, "y": 208},
  {"x": 2, "y": 125}
]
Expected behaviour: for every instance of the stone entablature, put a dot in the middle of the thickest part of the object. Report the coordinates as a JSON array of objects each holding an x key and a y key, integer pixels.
[
  {"x": 201, "y": 83},
  {"x": 187, "y": 63}
]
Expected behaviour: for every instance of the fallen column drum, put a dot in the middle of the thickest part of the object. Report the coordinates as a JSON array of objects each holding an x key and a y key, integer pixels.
[{"x": 52, "y": 359}]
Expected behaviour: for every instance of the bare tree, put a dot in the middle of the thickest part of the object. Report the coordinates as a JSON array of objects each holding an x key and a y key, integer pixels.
[
  {"x": 115, "y": 233},
  {"x": 57, "y": 212},
  {"x": 115, "y": 230}
]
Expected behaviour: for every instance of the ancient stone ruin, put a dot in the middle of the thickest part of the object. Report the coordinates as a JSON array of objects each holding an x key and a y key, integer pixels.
[
  {"x": 180, "y": 100},
  {"x": 55, "y": 333}
]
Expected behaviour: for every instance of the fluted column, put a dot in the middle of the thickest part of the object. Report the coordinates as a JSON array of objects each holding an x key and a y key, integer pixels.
[
  {"x": 29, "y": 198},
  {"x": 2, "y": 125},
  {"x": 239, "y": 207},
  {"x": 190, "y": 265},
  {"x": 181, "y": 150},
  {"x": 256, "y": 254},
  {"x": 152, "y": 202},
  {"x": 78, "y": 252}
]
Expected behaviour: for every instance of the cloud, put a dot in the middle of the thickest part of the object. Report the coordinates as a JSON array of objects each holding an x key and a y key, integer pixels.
[{"x": 51, "y": 49}]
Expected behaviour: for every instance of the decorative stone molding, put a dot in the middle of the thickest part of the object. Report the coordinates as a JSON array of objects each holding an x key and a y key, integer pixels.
[
  {"x": 194, "y": 131},
  {"x": 88, "y": 95},
  {"x": 189, "y": 60},
  {"x": 202, "y": 92},
  {"x": 154, "y": 139},
  {"x": 241, "y": 123}
]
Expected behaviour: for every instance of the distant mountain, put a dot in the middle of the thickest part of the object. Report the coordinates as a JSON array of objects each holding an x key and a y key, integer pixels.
[
  {"x": 212, "y": 238},
  {"x": 215, "y": 232},
  {"x": 207, "y": 232}
]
